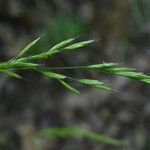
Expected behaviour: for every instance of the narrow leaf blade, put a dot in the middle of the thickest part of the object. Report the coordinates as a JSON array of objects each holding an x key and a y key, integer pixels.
[
  {"x": 62, "y": 44},
  {"x": 130, "y": 74},
  {"x": 120, "y": 69},
  {"x": 26, "y": 49},
  {"x": 11, "y": 73},
  {"x": 95, "y": 84},
  {"x": 146, "y": 81},
  {"x": 66, "y": 85},
  {"x": 26, "y": 65},
  {"x": 89, "y": 81},
  {"x": 103, "y": 87},
  {"x": 53, "y": 75},
  {"x": 101, "y": 66},
  {"x": 78, "y": 45},
  {"x": 67, "y": 132}
]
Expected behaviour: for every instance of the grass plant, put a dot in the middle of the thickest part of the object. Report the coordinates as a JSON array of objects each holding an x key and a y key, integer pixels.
[{"x": 25, "y": 60}]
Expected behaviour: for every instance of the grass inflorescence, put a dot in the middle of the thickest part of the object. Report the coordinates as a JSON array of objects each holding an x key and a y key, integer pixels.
[{"x": 29, "y": 61}]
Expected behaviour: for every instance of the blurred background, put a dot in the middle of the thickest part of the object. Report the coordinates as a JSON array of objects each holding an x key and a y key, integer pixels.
[{"x": 28, "y": 105}]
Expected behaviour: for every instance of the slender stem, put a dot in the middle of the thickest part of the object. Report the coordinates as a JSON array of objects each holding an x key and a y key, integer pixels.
[{"x": 63, "y": 68}]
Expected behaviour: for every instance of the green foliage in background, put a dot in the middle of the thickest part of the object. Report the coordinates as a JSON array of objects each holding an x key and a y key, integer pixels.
[
  {"x": 59, "y": 27},
  {"x": 140, "y": 10},
  {"x": 29, "y": 61},
  {"x": 65, "y": 132},
  {"x": 62, "y": 25}
]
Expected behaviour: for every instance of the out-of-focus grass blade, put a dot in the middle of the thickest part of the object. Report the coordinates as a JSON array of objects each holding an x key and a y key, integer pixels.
[
  {"x": 53, "y": 75},
  {"x": 146, "y": 80},
  {"x": 66, "y": 85},
  {"x": 62, "y": 44},
  {"x": 10, "y": 73},
  {"x": 4, "y": 65},
  {"x": 67, "y": 132},
  {"x": 78, "y": 45},
  {"x": 25, "y": 50}
]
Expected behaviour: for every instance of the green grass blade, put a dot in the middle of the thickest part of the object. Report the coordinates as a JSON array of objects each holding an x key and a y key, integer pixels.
[
  {"x": 129, "y": 73},
  {"x": 103, "y": 87},
  {"x": 66, "y": 85},
  {"x": 10, "y": 73},
  {"x": 67, "y": 132},
  {"x": 101, "y": 66},
  {"x": 95, "y": 84},
  {"x": 78, "y": 45},
  {"x": 146, "y": 80},
  {"x": 53, "y": 75},
  {"x": 25, "y": 65},
  {"x": 120, "y": 69},
  {"x": 62, "y": 44},
  {"x": 55, "y": 49},
  {"x": 136, "y": 75},
  {"x": 133, "y": 75},
  {"x": 89, "y": 81},
  {"x": 26, "y": 49}
]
